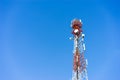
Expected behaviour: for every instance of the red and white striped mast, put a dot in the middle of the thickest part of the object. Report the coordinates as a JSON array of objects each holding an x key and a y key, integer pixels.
[{"x": 79, "y": 62}]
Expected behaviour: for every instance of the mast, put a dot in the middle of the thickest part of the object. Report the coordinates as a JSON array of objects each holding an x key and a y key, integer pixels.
[{"x": 79, "y": 61}]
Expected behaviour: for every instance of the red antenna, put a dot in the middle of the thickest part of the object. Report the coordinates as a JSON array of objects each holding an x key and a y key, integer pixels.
[{"x": 79, "y": 62}]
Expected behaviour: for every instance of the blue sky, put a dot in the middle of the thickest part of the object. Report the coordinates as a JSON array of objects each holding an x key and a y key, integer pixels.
[{"x": 35, "y": 45}]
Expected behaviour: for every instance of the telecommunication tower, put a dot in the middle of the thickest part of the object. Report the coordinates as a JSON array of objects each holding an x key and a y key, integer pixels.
[{"x": 79, "y": 61}]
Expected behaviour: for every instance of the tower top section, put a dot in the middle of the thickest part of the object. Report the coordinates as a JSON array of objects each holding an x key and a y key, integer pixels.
[
  {"x": 77, "y": 27},
  {"x": 76, "y": 22}
]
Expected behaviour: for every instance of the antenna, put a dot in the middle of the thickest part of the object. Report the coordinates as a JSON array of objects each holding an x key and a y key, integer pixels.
[{"x": 79, "y": 61}]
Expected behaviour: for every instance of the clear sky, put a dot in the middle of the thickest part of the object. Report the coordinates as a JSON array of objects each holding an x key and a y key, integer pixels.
[{"x": 35, "y": 45}]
